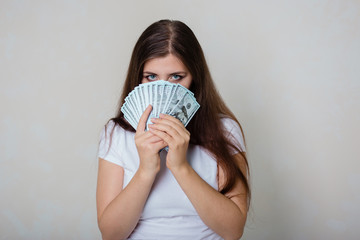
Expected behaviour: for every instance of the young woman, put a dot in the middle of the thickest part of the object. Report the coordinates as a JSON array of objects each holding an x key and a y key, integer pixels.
[{"x": 199, "y": 188}]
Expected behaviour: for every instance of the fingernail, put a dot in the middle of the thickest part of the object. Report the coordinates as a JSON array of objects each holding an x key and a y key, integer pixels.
[{"x": 153, "y": 119}]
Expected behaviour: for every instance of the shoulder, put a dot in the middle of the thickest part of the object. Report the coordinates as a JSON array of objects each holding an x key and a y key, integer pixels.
[
  {"x": 112, "y": 126},
  {"x": 229, "y": 123},
  {"x": 112, "y": 134},
  {"x": 233, "y": 131},
  {"x": 231, "y": 127},
  {"x": 112, "y": 129},
  {"x": 113, "y": 142}
]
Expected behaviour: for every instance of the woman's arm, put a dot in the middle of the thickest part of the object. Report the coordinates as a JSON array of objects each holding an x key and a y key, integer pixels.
[
  {"x": 225, "y": 215},
  {"x": 119, "y": 209}
]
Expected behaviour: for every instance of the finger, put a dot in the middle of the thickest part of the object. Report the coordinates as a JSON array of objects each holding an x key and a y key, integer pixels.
[
  {"x": 163, "y": 135},
  {"x": 167, "y": 127},
  {"x": 142, "y": 122},
  {"x": 154, "y": 139},
  {"x": 180, "y": 128},
  {"x": 171, "y": 118},
  {"x": 148, "y": 137},
  {"x": 160, "y": 145},
  {"x": 175, "y": 122}
]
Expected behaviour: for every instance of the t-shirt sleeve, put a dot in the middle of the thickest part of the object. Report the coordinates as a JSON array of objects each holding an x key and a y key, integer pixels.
[
  {"x": 234, "y": 134},
  {"x": 108, "y": 144}
]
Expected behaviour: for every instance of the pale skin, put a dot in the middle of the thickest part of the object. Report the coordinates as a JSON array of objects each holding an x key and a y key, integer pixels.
[{"x": 119, "y": 209}]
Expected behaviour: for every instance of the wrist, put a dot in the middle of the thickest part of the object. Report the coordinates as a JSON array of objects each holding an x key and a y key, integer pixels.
[
  {"x": 181, "y": 169},
  {"x": 148, "y": 173}
]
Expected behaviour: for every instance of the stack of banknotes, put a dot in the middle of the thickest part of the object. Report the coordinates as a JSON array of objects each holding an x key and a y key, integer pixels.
[{"x": 165, "y": 97}]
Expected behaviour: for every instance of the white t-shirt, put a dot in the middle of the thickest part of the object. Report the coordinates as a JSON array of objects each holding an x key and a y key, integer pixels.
[{"x": 168, "y": 213}]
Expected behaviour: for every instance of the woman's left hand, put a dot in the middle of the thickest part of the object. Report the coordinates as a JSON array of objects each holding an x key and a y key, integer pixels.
[{"x": 174, "y": 133}]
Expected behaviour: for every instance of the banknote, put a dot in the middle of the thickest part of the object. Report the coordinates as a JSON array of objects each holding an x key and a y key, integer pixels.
[
  {"x": 185, "y": 109},
  {"x": 177, "y": 95},
  {"x": 165, "y": 97},
  {"x": 167, "y": 94},
  {"x": 129, "y": 116}
]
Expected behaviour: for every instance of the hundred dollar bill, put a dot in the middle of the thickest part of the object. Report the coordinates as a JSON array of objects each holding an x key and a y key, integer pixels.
[
  {"x": 170, "y": 92},
  {"x": 129, "y": 116},
  {"x": 177, "y": 95},
  {"x": 185, "y": 89},
  {"x": 131, "y": 101},
  {"x": 185, "y": 108},
  {"x": 160, "y": 97},
  {"x": 152, "y": 98},
  {"x": 165, "y": 97},
  {"x": 140, "y": 100},
  {"x": 167, "y": 94}
]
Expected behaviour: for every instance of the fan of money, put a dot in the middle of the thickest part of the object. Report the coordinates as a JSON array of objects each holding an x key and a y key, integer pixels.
[{"x": 165, "y": 97}]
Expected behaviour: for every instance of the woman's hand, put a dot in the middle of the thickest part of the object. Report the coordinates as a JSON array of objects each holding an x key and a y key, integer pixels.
[
  {"x": 148, "y": 145},
  {"x": 175, "y": 135}
]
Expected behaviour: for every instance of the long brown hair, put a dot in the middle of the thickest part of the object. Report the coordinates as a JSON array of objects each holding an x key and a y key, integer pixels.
[{"x": 174, "y": 37}]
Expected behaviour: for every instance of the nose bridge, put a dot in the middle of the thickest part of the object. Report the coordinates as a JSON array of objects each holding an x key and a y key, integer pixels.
[{"x": 164, "y": 77}]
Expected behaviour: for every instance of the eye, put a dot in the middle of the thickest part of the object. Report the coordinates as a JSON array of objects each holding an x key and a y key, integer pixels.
[
  {"x": 151, "y": 77},
  {"x": 176, "y": 77}
]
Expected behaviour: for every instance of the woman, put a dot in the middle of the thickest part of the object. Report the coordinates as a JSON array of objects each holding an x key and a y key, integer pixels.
[{"x": 196, "y": 190}]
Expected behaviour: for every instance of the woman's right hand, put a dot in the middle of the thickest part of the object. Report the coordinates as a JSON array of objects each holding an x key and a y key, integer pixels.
[{"x": 148, "y": 146}]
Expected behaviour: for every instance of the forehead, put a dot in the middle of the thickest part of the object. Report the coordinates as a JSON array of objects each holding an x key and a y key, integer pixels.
[{"x": 169, "y": 63}]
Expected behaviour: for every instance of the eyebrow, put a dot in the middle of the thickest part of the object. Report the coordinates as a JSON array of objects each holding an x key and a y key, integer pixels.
[
  {"x": 174, "y": 73},
  {"x": 149, "y": 72}
]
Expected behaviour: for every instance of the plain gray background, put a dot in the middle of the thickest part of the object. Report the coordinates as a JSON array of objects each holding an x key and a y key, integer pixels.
[{"x": 289, "y": 70}]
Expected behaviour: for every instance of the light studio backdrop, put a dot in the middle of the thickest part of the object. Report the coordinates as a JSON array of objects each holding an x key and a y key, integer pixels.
[{"x": 289, "y": 70}]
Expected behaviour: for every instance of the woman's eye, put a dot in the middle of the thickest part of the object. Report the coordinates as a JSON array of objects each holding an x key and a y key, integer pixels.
[
  {"x": 151, "y": 77},
  {"x": 176, "y": 77}
]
